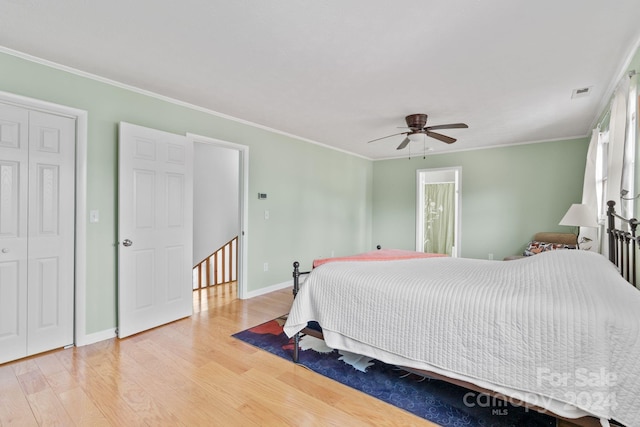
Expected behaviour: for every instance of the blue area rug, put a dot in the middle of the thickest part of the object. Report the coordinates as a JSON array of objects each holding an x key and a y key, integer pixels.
[{"x": 437, "y": 401}]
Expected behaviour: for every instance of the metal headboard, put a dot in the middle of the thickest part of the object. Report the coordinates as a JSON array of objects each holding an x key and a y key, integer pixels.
[{"x": 623, "y": 243}]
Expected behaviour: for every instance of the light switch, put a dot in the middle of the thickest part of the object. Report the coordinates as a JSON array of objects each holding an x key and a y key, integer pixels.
[
  {"x": 266, "y": 214},
  {"x": 94, "y": 216}
]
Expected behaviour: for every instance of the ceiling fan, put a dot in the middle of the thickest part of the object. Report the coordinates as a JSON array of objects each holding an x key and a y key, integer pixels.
[{"x": 416, "y": 124}]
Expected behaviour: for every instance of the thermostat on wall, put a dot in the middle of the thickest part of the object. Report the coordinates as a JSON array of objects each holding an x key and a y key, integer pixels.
[{"x": 262, "y": 195}]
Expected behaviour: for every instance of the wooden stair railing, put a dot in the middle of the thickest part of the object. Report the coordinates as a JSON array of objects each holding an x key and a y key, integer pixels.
[{"x": 218, "y": 268}]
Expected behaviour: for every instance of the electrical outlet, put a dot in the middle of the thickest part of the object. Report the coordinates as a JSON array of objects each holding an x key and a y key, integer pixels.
[
  {"x": 490, "y": 256},
  {"x": 94, "y": 216},
  {"x": 266, "y": 214},
  {"x": 266, "y": 266}
]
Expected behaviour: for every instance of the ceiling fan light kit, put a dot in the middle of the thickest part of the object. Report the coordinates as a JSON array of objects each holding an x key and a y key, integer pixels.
[
  {"x": 417, "y": 123},
  {"x": 416, "y": 137}
]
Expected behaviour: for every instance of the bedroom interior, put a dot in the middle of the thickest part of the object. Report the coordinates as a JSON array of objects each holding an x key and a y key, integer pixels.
[{"x": 345, "y": 201}]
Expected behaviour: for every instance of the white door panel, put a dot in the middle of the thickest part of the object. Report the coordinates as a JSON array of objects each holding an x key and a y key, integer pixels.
[
  {"x": 155, "y": 214},
  {"x": 51, "y": 231},
  {"x": 14, "y": 155}
]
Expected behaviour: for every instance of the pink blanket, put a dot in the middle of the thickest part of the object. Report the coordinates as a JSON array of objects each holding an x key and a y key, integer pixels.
[{"x": 379, "y": 255}]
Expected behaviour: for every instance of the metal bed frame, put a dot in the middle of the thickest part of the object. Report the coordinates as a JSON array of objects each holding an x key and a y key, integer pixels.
[
  {"x": 623, "y": 243},
  {"x": 296, "y": 286}
]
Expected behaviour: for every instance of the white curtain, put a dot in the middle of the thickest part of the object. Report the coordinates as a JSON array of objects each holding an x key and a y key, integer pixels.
[
  {"x": 617, "y": 133},
  {"x": 592, "y": 191},
  {"x": 627, "y": 186},
  {"x": 439, "y": 213},
  {"x": 610, "y": 168}
]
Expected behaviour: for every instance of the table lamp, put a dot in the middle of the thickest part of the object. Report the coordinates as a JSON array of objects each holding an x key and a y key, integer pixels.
[{"x": 579, "y": 215}]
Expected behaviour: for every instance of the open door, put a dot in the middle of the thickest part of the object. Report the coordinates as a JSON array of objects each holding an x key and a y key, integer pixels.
[{"x": 155, "y": 228}]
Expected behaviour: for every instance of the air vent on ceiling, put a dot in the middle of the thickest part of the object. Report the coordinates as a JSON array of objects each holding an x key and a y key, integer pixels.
[{"x": 581, "y": 92}]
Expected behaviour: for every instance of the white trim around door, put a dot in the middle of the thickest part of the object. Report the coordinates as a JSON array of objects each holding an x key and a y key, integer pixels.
[
  {"x": 243, "y": 204},
  {"x": 81, "y": 118}
]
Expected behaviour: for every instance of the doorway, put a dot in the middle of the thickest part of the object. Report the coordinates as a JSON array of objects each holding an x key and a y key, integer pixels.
[
  {"x": 438, "y": 210},
  {"x": 237, "y": 200}
]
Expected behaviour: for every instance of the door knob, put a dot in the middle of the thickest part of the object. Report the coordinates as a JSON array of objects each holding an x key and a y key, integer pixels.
[
  {"x": 127, "y": 242},
  {"x": 5, "y": 250}
]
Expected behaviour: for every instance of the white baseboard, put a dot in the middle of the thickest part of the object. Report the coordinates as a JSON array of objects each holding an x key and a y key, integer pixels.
[
  {"x": 111, "y": 333},
  {"x": 96, "y": 337},
  {"x": 268, "y": 289}
]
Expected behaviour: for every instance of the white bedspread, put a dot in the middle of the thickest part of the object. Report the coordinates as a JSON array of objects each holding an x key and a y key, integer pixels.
[{"x": 563, "y": 325}]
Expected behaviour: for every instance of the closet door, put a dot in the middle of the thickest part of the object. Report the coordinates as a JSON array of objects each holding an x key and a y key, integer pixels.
[
  {"x": 51, "y": 231},
  {"x": 14, "y": 164},
  {"x": 37, "y": 199}
]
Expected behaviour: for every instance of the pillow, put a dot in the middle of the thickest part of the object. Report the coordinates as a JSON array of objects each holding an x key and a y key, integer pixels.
[{"x": 535, "y": 247}]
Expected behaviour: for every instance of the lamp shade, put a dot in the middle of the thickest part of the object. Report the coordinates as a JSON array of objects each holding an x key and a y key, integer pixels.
[{"x": 579, "y": 215}]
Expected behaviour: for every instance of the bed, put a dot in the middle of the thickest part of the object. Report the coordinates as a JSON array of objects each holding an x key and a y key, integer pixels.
[{"x": 558, "y": 332}]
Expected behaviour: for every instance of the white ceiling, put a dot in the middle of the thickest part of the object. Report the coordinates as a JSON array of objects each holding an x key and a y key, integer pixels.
[{"x": 342, "y": 72}]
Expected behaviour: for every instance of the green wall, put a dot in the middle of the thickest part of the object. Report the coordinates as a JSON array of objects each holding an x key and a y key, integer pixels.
[
  {"x": 319, "y": 199},
  {"x": 508, "y": 194}
]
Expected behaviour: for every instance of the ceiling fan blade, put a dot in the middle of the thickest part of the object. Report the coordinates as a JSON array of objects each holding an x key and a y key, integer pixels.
[
  {"x": 388, "y": 136},
  {"x": 441, "y": 137},
  {"x": 403, "y": 143},
  {"x": 449, "y": 126}
]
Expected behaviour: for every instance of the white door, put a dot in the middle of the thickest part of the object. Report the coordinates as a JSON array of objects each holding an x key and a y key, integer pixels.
[
  {"x": 37, "y": 194},
  {"x": 51, "y": 231},
  {"x": 14, "y": 165},
  {"x": 155, "y": 226}
]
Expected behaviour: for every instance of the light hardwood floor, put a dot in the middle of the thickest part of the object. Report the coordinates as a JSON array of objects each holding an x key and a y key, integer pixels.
[{"x": 188, "y": 373}]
